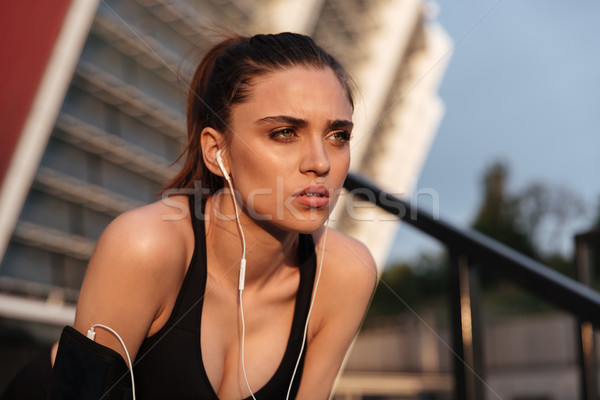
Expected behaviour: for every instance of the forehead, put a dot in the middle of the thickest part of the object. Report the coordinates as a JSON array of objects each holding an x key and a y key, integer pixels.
[{"x": 299, "y": 92}]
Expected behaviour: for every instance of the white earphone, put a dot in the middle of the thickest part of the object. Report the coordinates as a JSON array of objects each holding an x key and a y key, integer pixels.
[
  {"x": 222, "y": 166},
  {"x": 242, "y": 277}
]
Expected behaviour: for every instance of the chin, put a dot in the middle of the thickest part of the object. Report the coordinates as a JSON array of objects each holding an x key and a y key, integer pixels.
[
  {"x": 309, "y": 227},
  {"x": 314, "y": 221},
  {"x": 305, "y": 222}
]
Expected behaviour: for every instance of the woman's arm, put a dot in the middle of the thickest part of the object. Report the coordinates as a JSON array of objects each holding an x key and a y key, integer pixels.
[
  {"x": 137, "y": 265},
  {"x": 347, "y": 282}
]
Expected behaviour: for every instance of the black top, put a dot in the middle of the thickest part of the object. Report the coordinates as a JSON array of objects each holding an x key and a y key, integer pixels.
[{"x": 169, "y": 363}]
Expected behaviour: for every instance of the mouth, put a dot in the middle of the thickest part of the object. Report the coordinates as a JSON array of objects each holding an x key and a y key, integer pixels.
[
  {"x": 313, "y": 191},
  {"x": 313, "y": 196}
]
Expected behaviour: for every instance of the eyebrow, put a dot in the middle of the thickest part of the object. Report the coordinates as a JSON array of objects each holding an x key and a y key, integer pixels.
[
  {"x": 283, "y": 119},
  {"x": 298, "y": 122},
  {"x": 340, "y": 124}
]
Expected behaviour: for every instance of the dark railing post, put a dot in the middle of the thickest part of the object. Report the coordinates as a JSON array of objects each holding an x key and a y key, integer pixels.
[
  {"x": 466, "y": 328},
  {"x": 587, "y": 346},
  {"x": 477, "y": 330}
]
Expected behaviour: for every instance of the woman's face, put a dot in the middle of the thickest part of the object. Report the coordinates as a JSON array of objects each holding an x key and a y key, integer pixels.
[{"x": 289, "y": 151}]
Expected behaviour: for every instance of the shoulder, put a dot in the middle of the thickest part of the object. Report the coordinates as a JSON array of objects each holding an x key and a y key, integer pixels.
[
  {"x": 146, "y": 245},
  {"x": 149, "y": 232},
  {"x": 345, "y": 258},
  {"x": 348, "y": 277}
]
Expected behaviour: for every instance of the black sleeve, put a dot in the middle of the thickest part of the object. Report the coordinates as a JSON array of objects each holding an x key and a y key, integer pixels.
[{"x": 85, "y": 370}]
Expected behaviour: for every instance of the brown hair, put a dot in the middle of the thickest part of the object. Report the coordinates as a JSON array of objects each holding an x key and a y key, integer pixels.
[{"x": 224, "y": 78}]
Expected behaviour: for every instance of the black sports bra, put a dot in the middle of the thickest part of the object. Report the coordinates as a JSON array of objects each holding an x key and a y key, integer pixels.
[{"x": 169, "y": 363}]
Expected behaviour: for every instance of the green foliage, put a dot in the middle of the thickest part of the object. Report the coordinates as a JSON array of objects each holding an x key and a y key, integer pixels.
[
  {"x": 530, "y": 220},
  {"x": 508, "y": 299},
  {"x": 499, "y": 214},
  {"x": 520, "y": 219}
]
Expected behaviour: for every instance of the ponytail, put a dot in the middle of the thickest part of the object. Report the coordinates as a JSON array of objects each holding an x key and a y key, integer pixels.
[{"x": 193, "y": 169}]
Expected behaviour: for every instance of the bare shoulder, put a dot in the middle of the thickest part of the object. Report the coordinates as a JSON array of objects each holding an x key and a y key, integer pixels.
[
  {"x": 137, "y": 266},
  {"x": 349, "y": 270},
  {"x": 348, "y": 279},
  {"x": 148, "y": 235},
  {"x": 142, "y": 249},
  {"x": 347, "y": 258}
]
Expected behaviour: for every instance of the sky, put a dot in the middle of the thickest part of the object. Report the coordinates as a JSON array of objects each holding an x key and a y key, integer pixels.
[{"x": 522, "y": 86}]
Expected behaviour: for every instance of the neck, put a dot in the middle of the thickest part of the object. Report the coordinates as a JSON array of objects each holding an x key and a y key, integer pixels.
[{"x": 268, "y": 251}]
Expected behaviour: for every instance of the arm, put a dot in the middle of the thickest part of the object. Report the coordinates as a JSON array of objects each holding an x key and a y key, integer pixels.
[
  {"x": 130, "y": 275},
  {"x": 131, "y": 272},
  {"x": 347, "y": 283}
]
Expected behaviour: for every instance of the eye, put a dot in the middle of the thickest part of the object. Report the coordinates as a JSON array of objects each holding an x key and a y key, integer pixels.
[
  {"x": 341, "y": 137},
  {"x": 283, "y": 134}
]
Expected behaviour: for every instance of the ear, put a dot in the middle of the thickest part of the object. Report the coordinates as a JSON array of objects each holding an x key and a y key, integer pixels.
[{"x": 211, "y": 141}]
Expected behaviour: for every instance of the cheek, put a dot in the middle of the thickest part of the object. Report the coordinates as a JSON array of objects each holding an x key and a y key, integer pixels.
[
  {"x": 341, "y": 170},
  {"x": 340, "y": 163},
  {"x": 257, "y": 177}
]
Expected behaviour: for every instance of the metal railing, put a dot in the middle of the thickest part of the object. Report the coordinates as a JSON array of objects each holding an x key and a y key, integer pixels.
[{"x": 469, "y": 252}]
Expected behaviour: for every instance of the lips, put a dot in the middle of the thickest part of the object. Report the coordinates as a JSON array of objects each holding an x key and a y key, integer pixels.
[{"x": 313, "y": 196}]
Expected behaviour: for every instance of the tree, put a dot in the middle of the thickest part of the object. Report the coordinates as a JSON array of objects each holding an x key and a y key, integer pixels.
[
  {"x": 499, "y": 214},
  {"x": 544, "y": 212},
  {"x": 531, "y": 220},
  {"x": 528, "y": 220}
]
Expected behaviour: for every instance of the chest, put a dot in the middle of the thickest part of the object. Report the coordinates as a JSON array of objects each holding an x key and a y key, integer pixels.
[{"x": 265, "y": 329}]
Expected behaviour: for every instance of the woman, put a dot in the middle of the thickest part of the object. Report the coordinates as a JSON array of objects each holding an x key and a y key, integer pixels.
[{"x": 272, "y": 113}]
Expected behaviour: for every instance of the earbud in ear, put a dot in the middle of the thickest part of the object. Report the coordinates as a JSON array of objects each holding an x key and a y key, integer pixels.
[
  {"x": 221, "y": 166},
  {"x": 242, "y": 276}
]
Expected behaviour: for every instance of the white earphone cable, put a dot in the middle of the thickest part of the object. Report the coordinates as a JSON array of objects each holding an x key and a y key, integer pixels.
[
  {"x": 242, "y": 276},
  {"x": 92, "y": 335},
  {"x": 312, "y": 302},
  {"x": 242, "y": 349}
]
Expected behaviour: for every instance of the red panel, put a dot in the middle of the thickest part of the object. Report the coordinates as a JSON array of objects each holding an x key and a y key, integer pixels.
[{"x": 28, "y": 30}]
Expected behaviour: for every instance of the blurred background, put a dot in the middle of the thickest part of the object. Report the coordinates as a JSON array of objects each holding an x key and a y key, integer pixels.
[{"x": 483, "y": 114}]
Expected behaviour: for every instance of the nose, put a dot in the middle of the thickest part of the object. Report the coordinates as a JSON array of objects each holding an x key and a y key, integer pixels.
[{"x": 315, "y": 159}]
